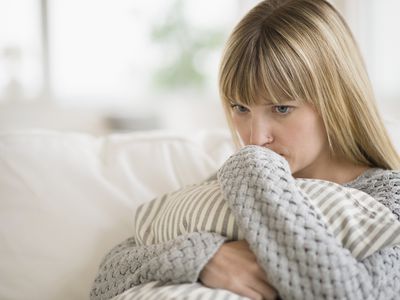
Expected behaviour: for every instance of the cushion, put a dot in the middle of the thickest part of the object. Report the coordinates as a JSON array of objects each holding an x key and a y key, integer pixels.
[
  {"x": 358, "y": 221},
  {"x": 67, "y": 198},
  {"x": 188, "y": 291}
]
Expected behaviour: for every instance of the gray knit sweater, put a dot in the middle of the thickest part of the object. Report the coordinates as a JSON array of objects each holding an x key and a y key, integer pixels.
[{"x": 300, "y": 257}]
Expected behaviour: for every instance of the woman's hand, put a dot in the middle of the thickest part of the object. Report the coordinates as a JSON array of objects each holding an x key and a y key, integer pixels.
[{"x": 234, "y": 268}]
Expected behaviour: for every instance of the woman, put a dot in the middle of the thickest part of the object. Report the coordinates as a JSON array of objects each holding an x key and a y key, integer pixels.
[{"x": 292, "y": 80}]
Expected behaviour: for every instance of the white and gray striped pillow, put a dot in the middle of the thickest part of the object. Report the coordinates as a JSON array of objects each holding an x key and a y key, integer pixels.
[
  {"x": 188, "y": 291},
  {"x": 358, "y": 221}
]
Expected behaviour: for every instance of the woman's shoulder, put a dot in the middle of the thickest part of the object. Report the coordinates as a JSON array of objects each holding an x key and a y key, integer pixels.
[
  {"x": 383, "y": 185},
  {"x": 375, "y": 177},
  {"x": 378, "y": 174}
]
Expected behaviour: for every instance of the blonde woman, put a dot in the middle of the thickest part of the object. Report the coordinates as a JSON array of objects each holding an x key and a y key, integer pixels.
[{"x": 292, "y": 80}]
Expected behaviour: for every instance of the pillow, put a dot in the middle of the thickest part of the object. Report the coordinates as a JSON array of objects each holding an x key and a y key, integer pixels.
[
  {"x": 358, "y": 221},
  {"x": 188, "y": 291}
]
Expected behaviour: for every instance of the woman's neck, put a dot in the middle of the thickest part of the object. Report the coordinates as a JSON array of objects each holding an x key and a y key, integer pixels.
[{"x": 335, "y": 170}]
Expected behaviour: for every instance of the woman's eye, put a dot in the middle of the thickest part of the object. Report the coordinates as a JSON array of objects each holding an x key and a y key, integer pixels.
[
  {"x": 239, "y": 108},
  {"x": 283, "y": 109}
]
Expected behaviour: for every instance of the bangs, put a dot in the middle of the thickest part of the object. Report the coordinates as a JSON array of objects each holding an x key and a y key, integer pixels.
[{"x": 258, "y": 71}]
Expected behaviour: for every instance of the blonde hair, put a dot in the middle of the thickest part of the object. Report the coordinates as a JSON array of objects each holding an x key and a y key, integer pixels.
[{"x": 304, "y": 50}]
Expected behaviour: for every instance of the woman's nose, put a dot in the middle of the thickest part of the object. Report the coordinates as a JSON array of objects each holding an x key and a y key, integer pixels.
[{"x": 260, "y": 133}]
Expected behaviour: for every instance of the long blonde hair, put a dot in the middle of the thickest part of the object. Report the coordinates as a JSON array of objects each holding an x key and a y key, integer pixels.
[{"x": 304, "y": 50}]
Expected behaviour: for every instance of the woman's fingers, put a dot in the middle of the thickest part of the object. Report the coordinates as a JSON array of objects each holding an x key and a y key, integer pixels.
[
  {"x": 261, "y": 292},
  {"x": 234, "y": 267},
  {"x": 245, "y": 291},
  {"x": 264, "y": 289},
  {"x": 257, "y": 282},
  {"x": 263, "y": 286}
]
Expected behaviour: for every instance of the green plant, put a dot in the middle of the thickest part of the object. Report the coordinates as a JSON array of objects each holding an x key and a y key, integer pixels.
[{"x": 185, "y": 46}]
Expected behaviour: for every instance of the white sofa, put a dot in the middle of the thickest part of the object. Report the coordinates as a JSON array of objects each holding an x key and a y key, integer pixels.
[{"x": 67, "y": 198}]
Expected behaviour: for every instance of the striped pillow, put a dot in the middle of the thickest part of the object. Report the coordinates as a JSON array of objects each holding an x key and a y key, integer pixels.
[
  {"x": 358, "y": 221},
  {"x": 188, "y": 291}
]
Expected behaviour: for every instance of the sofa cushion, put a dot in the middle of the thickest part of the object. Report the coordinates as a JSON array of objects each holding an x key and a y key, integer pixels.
[{"x": 67, "y": 198}]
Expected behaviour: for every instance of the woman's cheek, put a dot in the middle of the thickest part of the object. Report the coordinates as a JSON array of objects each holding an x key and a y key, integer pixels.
[{"x": 242, "y": 130}]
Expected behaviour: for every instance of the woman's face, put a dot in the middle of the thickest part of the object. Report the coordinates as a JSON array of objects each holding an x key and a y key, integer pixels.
[{"x": 291, "y": 129}]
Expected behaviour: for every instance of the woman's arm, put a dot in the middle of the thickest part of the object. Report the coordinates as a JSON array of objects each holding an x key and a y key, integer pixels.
[
  {"x": 301, "y": 258},
  {"x": 177, "y": 261}
]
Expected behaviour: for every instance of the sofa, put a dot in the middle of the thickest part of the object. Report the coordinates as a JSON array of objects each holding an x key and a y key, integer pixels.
[{"x": 67, "y": 198}]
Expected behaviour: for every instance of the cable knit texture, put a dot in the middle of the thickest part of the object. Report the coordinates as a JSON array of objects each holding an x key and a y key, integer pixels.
[
  {"x": 177, "y": 261},
  {"x": 300, "y": 257}
]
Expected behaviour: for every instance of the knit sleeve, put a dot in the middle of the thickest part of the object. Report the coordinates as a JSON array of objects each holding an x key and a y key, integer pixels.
[
  {"x": 176, "y": 261},
  {"x": 301, "y": 258}
]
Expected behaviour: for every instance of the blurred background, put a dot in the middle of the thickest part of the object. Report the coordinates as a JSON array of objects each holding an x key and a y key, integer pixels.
[{"x": 102, "y": 66}]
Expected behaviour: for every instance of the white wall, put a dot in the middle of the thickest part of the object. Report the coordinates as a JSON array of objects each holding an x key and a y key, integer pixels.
[{"x": 92, "y": 91}]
